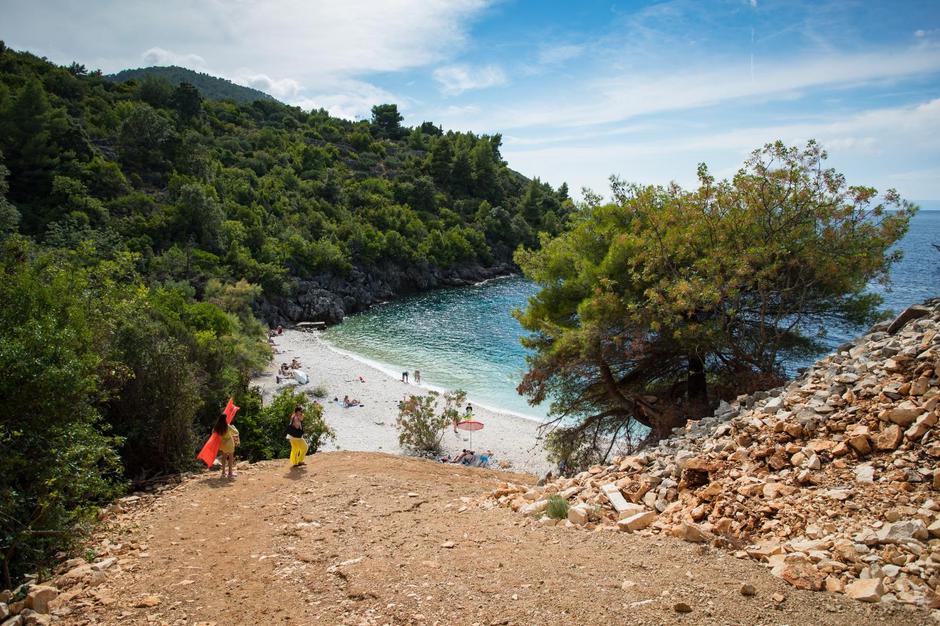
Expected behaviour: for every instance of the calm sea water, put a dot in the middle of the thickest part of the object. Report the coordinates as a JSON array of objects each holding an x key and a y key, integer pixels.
[{"x": 466, "y": 338}]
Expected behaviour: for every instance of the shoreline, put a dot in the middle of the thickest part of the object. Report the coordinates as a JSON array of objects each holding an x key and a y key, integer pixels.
[
  {"x": 388, "y": 370},
  {"x": 512, "y": 438}
]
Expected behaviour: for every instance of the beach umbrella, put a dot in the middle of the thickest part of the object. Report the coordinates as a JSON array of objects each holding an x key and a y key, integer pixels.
[{"x": 470, "y": 426}]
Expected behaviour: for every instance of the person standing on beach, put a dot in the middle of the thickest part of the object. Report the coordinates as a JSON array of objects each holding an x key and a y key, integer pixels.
[
  {"x": 417, "y": 377},
  {"x": 295, "y": 434},
  {"x": 404, "y": 377}
]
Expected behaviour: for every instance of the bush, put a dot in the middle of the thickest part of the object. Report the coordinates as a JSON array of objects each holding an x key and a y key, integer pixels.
[
  {"x": 57, "y": 464},
  {"x": 319, "y": 391},
  {"x": 263, "y": 430},
  {"x": 557, "y": 508},
  {"x": 420, "y": 427}
]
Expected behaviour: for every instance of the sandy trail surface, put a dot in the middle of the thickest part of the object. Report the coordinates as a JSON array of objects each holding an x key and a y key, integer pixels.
[
  {"x": 371, "y": 427},
  {"x": 369, "y": 538}
]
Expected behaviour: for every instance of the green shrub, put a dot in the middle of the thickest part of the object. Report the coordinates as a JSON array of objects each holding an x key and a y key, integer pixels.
[
  {"x": 557, "y": 508},
  {"x": 319, "y": 391},
  {"x": 263, "y": 429},
  {"x": 420, "y": 426}
]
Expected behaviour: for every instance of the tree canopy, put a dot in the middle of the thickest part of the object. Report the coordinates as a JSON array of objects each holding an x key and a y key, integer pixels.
[
  {"x": 140, "y": 224},
  {"x": 655, "y": 305}
]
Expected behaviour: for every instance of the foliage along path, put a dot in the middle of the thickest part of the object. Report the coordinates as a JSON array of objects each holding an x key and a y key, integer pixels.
[{"x": 366, "y": 538}]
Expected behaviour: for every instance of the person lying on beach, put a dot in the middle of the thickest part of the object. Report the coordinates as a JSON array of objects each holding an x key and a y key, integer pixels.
[
  {"x": 348, "y": 403},
  {"x": 464, "y": 457}
]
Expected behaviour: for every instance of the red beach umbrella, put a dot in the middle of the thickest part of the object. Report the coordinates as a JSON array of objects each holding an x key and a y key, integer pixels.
[{"x": 470, "y": 426}]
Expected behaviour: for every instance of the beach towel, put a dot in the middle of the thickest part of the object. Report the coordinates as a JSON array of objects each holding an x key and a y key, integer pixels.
[{"x": 211, "y": 449}]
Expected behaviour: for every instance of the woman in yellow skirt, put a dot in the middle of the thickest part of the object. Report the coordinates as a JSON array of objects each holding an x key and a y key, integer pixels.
[{"x": 295, "y": 434}]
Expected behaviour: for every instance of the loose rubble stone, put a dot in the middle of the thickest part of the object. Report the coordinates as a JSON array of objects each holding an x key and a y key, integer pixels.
[
  {"x": 637, "y": 522},
  {"x": 39, "y": 596},
  {"x": 833, "y": 479},
  {"x": 863, "y": 590},
  {"x": 748, "y": 590}
]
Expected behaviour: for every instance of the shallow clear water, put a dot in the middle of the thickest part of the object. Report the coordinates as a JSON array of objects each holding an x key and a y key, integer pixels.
[{"x": 466, "y": 338}]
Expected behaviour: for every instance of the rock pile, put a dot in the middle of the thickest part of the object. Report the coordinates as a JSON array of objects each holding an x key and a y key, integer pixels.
[{"x": 831, "y": 480}]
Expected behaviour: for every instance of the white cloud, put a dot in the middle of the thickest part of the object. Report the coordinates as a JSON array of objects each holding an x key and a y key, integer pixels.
[
  {"x": 456, "y": 79},
  {"x": 615, "y": 98},
  {"x": 350, "y": 99},
  {"x": 159, "y": 56},
  {"x": 283, "y": 89},
  {"x": 880, "y": 147},
  {"x": 319, "y": 45},
  {"x": 551, "y": 55}
]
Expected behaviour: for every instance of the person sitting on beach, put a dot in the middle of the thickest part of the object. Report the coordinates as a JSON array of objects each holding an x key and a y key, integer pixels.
[
  {"x": 348, "y": 403},
  {"x": 283, "y": 372},
  {"x": 360, "y": 379},
  {"x": 404, "y": 377},
  {"x": 417, "y": 376},
  {"x": 295, "y": 364},
  {"x": 280, "y": 330},
  {"x": 464, "y": 457}
]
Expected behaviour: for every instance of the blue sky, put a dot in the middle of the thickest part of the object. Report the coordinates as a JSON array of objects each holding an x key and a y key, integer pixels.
[{"x": 579, "y": 90}]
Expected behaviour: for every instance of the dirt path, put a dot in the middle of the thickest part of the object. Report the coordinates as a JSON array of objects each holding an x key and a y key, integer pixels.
[{"x": 363, "y": 538}]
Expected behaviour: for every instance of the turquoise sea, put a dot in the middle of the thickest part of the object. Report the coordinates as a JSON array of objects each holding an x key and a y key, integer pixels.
[{"x": 466, "y": 337}]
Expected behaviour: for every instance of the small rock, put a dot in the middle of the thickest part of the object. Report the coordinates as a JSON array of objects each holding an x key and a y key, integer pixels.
[
  {"x": 865, "y": 590},
  {"x": 681, "y": 607},
  {"x": 448, "y": 545},
  {"x": 748, "y": 590},
  {"x": 148, "y": 602},
  {"x": 778, "y": 597},
  {"x": 689, "y": 532},
  {"x": 637, "y": 522},
  {"x": 889, "y": 438},
  {"x": 39, "y": 596}
]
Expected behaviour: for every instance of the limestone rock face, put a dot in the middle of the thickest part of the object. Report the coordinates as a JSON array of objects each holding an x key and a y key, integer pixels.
[{"x": 832, "y": 480}]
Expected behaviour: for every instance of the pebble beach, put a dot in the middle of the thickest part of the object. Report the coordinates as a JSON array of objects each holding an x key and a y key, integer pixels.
[{"x": 513, "y": 440}]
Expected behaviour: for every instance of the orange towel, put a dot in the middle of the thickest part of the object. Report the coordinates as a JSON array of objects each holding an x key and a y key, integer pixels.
[{"x": 211, "y": 449}]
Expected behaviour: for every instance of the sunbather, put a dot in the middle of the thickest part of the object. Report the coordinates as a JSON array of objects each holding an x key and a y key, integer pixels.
[
  {"x": 464, "y": 457},
  {"x": 350, "y": 402},
  {"x": 295, "y": 364}
]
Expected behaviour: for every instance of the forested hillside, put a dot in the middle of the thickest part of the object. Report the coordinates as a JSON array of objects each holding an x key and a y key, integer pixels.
[
  {"x": 211, "y": 87},
  {"x": 142, "y": 230}
]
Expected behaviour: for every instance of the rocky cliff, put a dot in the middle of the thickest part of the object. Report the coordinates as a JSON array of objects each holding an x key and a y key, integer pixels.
[
  {"x": 832, "y": 481},
  {"x": 330, "y": 297}
]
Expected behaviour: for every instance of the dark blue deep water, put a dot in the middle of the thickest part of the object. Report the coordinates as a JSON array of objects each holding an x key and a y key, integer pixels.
[{"x": 466, "y": 338}]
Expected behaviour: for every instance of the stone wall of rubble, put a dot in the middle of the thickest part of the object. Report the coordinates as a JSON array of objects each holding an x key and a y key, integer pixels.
[{"x": 831, "y": 480}]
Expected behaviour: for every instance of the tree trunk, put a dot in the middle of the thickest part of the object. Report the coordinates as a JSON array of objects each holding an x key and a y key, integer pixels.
[{"x": 696, "y": 385}]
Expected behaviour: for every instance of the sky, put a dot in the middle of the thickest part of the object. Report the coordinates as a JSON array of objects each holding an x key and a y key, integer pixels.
[{"x": 579, "y": 90}]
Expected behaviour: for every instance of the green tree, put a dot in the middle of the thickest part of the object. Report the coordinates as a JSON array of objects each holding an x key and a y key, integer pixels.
[
  {"x": 9, "y": 216},
  {"x": 646, "y": 300},
  {"x": 422, "y": 420},
  {"x": 56, "y": 466},
  {"x": 187, "y": 101},
  {"x": 386, "y": 121}
]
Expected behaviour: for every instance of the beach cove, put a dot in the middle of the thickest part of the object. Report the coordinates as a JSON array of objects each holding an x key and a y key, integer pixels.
[{"x": 513, "y": 439}]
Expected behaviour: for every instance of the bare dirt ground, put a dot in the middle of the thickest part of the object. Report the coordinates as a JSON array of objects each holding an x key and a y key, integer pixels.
[{"x": 369, "y": 538}]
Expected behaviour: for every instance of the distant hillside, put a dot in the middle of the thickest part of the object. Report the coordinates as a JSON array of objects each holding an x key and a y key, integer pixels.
[{"x": 211, "y": 87}]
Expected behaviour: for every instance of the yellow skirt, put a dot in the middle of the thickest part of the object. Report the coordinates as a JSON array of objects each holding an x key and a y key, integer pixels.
[{"x": 298, "y": 449}]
